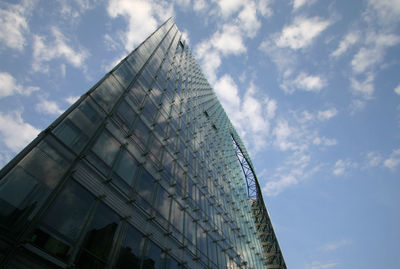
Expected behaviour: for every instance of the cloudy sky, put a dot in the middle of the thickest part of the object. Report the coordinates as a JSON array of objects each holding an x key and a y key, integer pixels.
[{"x": 313, "y": 88}]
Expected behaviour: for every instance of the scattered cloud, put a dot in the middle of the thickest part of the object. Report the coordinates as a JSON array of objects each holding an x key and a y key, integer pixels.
[
  {"x": 327, "y": 114},
  {"x": 251, "y": 115},
  {"x": 364, "y": 89},
  {"x": 301, "y": 32},
  {"x": 199, "y": 5},
  {"x": 72, "y": 99},
  {"x": 305, "y": 82},
  {"x": 15, "y": 132},
  {"x": 228, "y": 7},
  {"x": 397, "y": 90},
  {"x": 373, "y": 159},
  {"x": 299, "y": 3},
  {"x": 387, "y": 12},
  {"x": 44, "y": 52},
  {"x": 335, "y": 245},
  {"x": 373, "y": 52},
  {"x": 393, "y": 160},
  {"x": 14, "y": 25},
  {"x": 48, "y": 107},
  {"x": 341, "y": 167},
  {"x": 349, "y": 40},
  {"x": 9, "y": 86},
  {"x": 143, "y": 17},
  {"x": 319, "y": 265}
]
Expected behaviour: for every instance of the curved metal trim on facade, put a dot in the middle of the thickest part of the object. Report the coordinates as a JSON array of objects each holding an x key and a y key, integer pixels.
[{"x": 269, "y": 242}]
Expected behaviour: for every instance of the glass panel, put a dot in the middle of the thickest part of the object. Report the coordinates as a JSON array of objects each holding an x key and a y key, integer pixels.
[
  {"x": 64, "y": 220},
  {"x": 124, "y": 74},
  {"x": 176, "y": 216},
  {"x": 171, "y": 263},
  {"x": 141, "y": 132},
  {"x": 162, "y": 204},
  {"x": 129, "y": 256},
  {"x": 71, "y": 136},
  {"x": 100, "y": 234},
  {"x": 126, "y": 115},
  {"x": 106, "y": 148},
  {"x": 145, "y": 186},
  {"x": 32, "y": 179},
  {"x": 107, "y": 93},
  {"x": 153, "y": 258},
  {"x": 126, "y": 167}
]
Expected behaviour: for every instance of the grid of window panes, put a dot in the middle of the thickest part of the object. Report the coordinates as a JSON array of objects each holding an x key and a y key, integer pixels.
[{"x": 155, "y": 139}]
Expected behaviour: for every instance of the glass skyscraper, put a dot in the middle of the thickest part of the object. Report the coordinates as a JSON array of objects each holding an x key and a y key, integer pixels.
[{"x": 145, "y": 170}]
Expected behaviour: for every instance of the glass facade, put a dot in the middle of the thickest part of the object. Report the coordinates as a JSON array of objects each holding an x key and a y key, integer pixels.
[{"x": 140, "y": 172}]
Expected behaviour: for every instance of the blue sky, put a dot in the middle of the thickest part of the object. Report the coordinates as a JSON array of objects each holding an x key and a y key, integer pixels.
[{"x": 313, "y": 88}]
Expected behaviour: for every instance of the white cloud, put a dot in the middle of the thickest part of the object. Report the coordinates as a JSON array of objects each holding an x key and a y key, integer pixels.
[
  {"x": 342, "y": 166},
  {"x": 110, "y": 42},
  {"x": 16, "y": 133},
  {"x": 324, "y": 141},
  {"x": 299, "y": 3},
  {"x": 14, "y": 25},
  {"x": 263, "y": 6},
  {"x": 185, "y": 37},
  {"x": 373, "y": 52},
  {"x": 394, "y": 159},
  {"x": 229, "y": 40},
  {"x": 303, "y": 81},
  {"x": 397, "y": 89},
  {"x": 224, "y": 42},
  {"x": 373, "y": 159},
  {"x": 318, "y": 265},
  {"x": 365, "y": 88},
  {"x": 43, "y": 52},
  {"x": 309, "y": 82},
  {"x": 71, "y": 99},
  {"x": 199, "y": 5},
  {"x": 248, "y": 19},
  {"x": 387, "y": 11},
  {"x": 349, "y": 40},
  {"x": 327, "y": 114},
  {"x": 295, "y": 169},
  {"x": 8, "y": 86},
  {"x": 228, "y": 7},
  {"x": 251, "y": 115},
  {"x": 301, "y": 32},
  {"x": 143, "y": 18},
  {"x": 335, "y": 245},
  {"x": 48, "y": 107}
]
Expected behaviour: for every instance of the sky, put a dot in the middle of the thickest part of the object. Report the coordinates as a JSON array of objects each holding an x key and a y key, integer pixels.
[{"x": 312, "y": 87}]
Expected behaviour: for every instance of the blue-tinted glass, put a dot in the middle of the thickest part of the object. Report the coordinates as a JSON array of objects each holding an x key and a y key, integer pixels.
[
  {"x": 99, "y": 236},
  {"x": 153, "y": 258},
  {"x": 64, "y": 220},
  {"x": 126, "y": 167},
  {"x": 106, "y": 148},
  {"x": 129, "y": 255},
  {"x": 107, "y": 93}
]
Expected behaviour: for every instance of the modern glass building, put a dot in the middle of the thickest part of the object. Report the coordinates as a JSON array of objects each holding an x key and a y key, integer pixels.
[{"x": 145, "y": 170}]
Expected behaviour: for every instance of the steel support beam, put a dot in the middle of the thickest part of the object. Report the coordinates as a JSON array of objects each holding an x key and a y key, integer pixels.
[{"x": 269, "y": 242}]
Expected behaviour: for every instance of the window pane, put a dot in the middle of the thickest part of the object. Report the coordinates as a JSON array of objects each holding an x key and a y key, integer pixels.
[
  {"x": 71, "y": 135},
  {"x": 153, "y": 258},
  {"x": 126, "y": 167},
  {"x": 107, "y": 93},
  {"x": 65, "y": 218},
  {"x": 32, "y": 179},
  {"x": 129, "y": 257},
  {"x": 100, "y": 234},
  {"x": 106, "y": 148},
  {"x": 162, "y": 203},
  {"x": 145, "y": 186}
]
